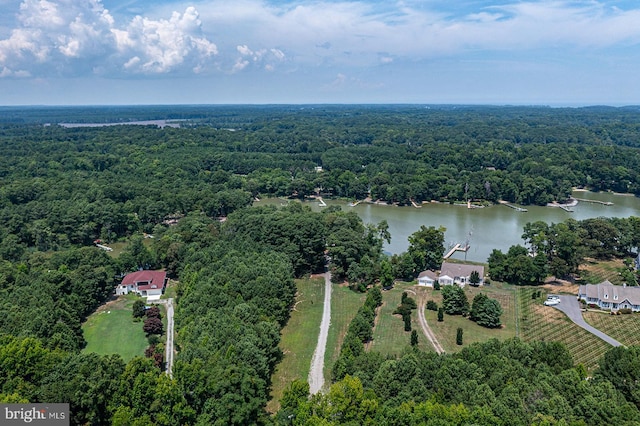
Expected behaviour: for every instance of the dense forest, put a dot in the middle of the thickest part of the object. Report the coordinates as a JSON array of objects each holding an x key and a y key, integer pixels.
[{"x": 63, "y": 188}]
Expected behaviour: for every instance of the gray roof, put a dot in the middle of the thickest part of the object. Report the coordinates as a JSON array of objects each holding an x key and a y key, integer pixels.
[
  {"x": 607, "y": 292},
  {"x": 460, "y": 270},
  {"x": 430, "y": 274}
]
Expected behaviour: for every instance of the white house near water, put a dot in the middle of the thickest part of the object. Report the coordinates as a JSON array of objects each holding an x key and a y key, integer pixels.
[
  {"x": 610, "y": 297},
  {"x": 451, "y": 273}
]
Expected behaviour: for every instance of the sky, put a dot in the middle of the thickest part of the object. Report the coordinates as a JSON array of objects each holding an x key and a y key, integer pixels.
[{"x": 529, "y": 52}]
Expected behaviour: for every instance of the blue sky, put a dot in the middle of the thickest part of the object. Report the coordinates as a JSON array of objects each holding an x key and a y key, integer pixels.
[{"x": 61, "y": 52}]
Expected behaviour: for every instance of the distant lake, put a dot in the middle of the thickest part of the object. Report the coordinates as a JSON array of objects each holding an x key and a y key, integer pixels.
[
  {"x": 494, "y": 227},
  {"x": 159, "y": 123}
]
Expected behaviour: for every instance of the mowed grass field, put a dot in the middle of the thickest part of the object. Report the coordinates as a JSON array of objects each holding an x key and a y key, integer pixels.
[
  {"x": 446, "y": 331},
  {"x": 299, "y": 338},
  {"x": 111, "y": 330},
  {"x": 344, "y": 306},
  {"x": 544, "y": 323},
  {"x": 389, "y": 337},
  {"x": 624, "y": 328}
]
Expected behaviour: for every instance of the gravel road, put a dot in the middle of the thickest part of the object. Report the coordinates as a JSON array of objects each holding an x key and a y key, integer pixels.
[{"x": 316, "y": 374}]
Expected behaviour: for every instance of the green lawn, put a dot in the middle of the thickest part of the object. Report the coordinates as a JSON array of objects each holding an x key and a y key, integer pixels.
[
  {"x": 543, "y": 323},
  {"x": 344, "y": 306},
  {"x": 446, "y": 330},
  {"x": 299, "y": 338},
  {"x": 112, "y": 331},
  {"x": 389, "y": 337}
]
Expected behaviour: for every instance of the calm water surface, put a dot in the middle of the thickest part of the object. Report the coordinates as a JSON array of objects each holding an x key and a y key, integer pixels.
[{"x": 495, "y": 227}]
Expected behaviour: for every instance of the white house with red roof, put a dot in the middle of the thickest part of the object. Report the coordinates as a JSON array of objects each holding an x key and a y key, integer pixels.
[{"x": 149, "y": 284}]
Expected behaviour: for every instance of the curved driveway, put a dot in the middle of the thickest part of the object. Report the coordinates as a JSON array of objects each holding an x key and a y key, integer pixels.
[{"x": 571, "y": 307}]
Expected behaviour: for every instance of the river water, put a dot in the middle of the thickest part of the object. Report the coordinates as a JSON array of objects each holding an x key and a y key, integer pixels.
[{"x": 494, "y": 227}]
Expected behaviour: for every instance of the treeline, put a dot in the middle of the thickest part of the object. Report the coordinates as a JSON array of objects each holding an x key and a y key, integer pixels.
[
  {"x": 558, "y": 249},
  {"x": 235, "y": 293},
  {"x": 62, "y": 187},
  {"x": 360, "y": 331},
  {"x": 492, "y": 383},
  {"x": 49, "y": 297}
]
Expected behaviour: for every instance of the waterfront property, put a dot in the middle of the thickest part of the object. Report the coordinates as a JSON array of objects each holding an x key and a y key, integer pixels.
[
  {"x": 452, "y": 273},
  {"x": 610, "y": 297},
  {"x": 427, "y": 278}
]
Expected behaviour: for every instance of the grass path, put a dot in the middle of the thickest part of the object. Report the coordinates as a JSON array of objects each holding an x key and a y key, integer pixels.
[
  {"x": 344, "y": 306},
  {"x": 316, "y": 376},
  {"x": 389, "y": 337},
  {"x": 299, "y": 338}
]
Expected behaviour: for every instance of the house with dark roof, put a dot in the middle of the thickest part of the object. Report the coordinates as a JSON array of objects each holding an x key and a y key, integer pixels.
[
  {"x": 149, "y": 284},
  {"x": 610, "y": 297},
  {"x": 451, "y": 273}
]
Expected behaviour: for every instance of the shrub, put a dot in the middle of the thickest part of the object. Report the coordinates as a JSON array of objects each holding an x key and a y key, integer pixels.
[
  {"x": 432, "y": 305},
  {"x": 440, "y": 314},
  {"x": 459, "y": 336},
  {"x": 153, "y": 312},
  {"x": 625, "y": 311},
  {"x": 436, "y": 285},
  {"x": 138, "y": 309}
]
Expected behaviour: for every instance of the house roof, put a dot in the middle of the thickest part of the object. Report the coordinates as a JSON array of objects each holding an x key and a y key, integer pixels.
[
  {"x": 151, "y": 279},
  {"x": 460, "y": 270},
  {"x": 613, "y": 293},
  {"x": 428, "y": 274}
]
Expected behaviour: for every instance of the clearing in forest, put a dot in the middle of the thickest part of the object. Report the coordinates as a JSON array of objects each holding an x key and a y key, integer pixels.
[
  {"x": 111, "y": 330},
  {"x": 299, "y": 338}
]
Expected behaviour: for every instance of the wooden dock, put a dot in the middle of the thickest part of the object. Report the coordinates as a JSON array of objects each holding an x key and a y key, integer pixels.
[
  {"x": 457, "y": 247},
  {"x": 516, "y": 208},
  {"x": 604, "y": 203}
]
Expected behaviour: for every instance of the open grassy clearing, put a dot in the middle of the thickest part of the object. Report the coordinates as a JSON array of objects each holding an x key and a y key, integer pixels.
[
  {"x": 299, "y": 338},
  {"x": 119, "y": 246},
  {"x": 624, "y": 328},
  {"x": 111, "y": 330},
  {"x": 543, "y": 323},
  {"x": 389, "y": 337},
  {"x": 446, "y": 331},
  {"x": 344, "y": 306}
]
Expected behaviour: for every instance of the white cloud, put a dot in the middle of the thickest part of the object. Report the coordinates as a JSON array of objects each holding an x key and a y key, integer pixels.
[
  {"x": 82, "y": 36},
  {"x": 266, "y": 58},
  {"x": 317, "y": 33},
  {"x": 48, "y": 34}
]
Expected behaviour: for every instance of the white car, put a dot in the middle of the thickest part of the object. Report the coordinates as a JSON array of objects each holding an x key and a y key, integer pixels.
[{"x": 551, "y": 302}]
